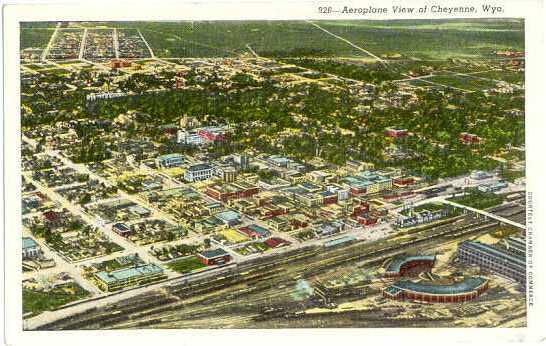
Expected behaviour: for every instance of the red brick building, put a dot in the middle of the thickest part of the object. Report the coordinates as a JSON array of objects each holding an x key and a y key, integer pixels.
[
  {"x": 214, "y": 257},
  {"x": 227, "y": 192}
]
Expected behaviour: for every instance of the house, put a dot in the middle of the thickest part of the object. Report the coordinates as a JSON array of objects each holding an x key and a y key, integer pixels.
[
  {"x": 199, "y": 172},
  {"x": 214, "y": 257},
  {"x": 122, "y": 229}
]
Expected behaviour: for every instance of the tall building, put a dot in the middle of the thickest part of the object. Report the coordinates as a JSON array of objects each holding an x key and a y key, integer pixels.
[
  {"x": 199, "y": 172},
  {"x": 506, "y": 258}
]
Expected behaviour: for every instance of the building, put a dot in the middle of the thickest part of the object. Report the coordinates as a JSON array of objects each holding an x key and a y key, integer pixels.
[
  {"x": 469, "y": 138},
  {"x": 255, "y": 231},
  {"x": 31, "y": 249},
  {"x": 229, "y": 217},
  {"x": 367, "y": 182},
  {"x": 409, "y": 265},
  {"x": 506, "y": 259},
  {"x": 275, "y": 242},
  {"x": 122, "y": 229},
  {"x": 419, "y": 217},
  {"x": 212, "y": 133},
  {"x": 243, "y": 161},
  {"x": 189, "y": 137},
  {"x": 119, "y": 63},
  {"x": 457, "y": 292},
  {"x": 118, "y": 279},
  {"x": 199, "y": 172},
  {"x": 170, "y": 160},
  {"x": 493, "y": 187},
  {"x": 231, "y": 191},
  {"x": 227, "y": 173},
  {"x": 343, "y": 193},
  {"x": 330, "y": 228},
  {"x": 396, "y": 133},
  {"x": 479, "y": 175},
  {"x": 214, "y": 257},
  {"x": 339, "y": 241}
]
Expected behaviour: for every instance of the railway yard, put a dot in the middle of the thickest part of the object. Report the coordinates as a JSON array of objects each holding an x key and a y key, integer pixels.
[{"x": 261, "y": 294}]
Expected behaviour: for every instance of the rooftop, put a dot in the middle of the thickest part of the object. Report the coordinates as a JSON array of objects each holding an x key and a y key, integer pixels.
[
  {"x": 228, "y": 215},
  {"x": 29, "y": 243},
  {"x": 396, "y": 263},
  {"x": 199, "y": 167},
  {"x": 128, "y": 273},
  {"x": 213, "y": 253},
  {"x": 495, "y": 252},
  {"x": 469, "y": 284}
]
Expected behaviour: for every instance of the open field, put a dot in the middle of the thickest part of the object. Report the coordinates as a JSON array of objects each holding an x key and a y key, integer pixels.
[
  {"x": 35, "y": 37},
  {"x": 38, "y": 301},
  {"x": 186, "y": 265},
  {"x": 439, "y": 39}
]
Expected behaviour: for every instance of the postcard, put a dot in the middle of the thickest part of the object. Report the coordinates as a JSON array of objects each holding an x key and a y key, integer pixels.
[{"x": 238, "y": 171}]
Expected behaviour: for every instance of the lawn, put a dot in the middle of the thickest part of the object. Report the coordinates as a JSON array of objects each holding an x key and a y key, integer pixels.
[
  {"x": 479, "y": 200},
  {"x": 186, "y": 265},
  {"x": 39, "y": 301}
]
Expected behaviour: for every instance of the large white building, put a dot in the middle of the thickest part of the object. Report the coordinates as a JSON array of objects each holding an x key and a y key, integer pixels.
[
  {"x": 199, "y": 172},
  {"x": 31, "y": 249}
]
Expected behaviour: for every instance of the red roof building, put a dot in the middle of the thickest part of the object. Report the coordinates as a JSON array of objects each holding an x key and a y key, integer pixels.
[
  {"x": 276, "y": 242},
  {"x": 469, "y": 138}
]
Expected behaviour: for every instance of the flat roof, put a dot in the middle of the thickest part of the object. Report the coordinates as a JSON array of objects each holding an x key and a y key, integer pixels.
[
  {"x": 338, "y": 241},
  {"x": 199, "y": 167},
  {"x": 29, "y": 243},
  {"x": 209, "y": 254},
  {"x": 127, "y": 273},
  {"x": 469, "y": 284},
  {"x": 228, "y": 215},
  {"x": 171, "y": 156}
]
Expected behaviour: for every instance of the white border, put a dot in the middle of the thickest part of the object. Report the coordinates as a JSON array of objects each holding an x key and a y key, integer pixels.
[{"x": 530, "y": 10}]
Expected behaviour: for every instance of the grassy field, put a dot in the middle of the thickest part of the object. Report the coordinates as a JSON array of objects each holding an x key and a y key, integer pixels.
[
  {"x": 186, "y": 265},
  {"x": 462, "y": 82},
  {"x": 425, "y": 39},
  {"x": 35, "y": 37},
  {"x": 479, "y": 200},
  {"x": 39, "y": 301},
  {"x": 432, "y": 39},
  {"x": 507, "y": 76},
  {"x": 413, "y": 39}
]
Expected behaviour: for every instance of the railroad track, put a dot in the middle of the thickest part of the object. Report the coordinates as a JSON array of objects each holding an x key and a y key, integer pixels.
[{"x": 254, "y": 274}]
